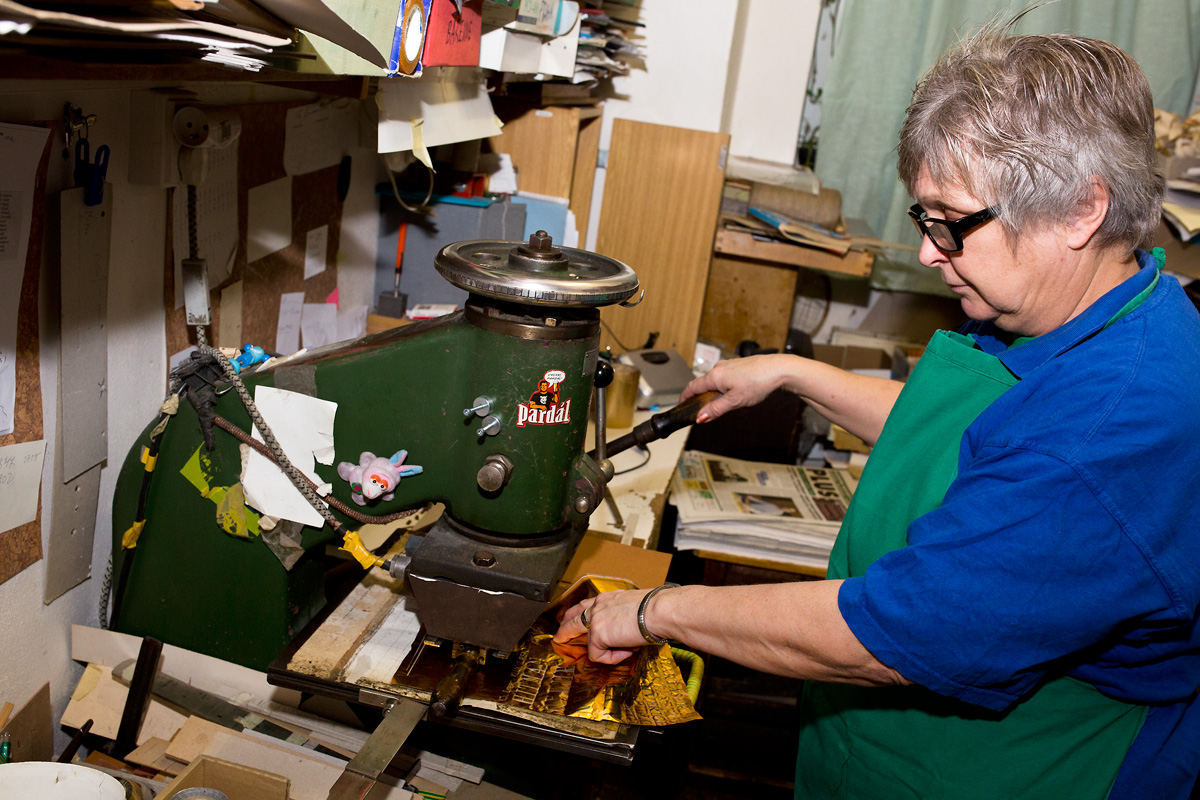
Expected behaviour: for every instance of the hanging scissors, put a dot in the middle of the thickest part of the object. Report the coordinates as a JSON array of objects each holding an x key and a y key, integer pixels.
[{"x": 91, "y": 174}]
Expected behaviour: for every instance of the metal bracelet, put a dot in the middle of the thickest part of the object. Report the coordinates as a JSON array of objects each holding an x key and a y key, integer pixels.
[{"x": 646, "y": 634}]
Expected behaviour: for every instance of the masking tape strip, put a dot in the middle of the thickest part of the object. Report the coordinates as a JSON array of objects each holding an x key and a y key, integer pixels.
[
  {"x": 419, "y": 148},
  {"x": 129, "y": 539}
]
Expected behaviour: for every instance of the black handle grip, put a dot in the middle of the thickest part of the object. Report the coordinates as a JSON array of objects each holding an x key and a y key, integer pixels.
[{"x": 660, "y": 426}]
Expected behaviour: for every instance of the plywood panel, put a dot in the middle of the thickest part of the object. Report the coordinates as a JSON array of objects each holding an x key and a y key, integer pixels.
[
  {"x": 542, "y": 143},
  {"x": 662, "y": 194},
  {"x": 586, "y": 151},
  {"x": 747, "y": 300}
]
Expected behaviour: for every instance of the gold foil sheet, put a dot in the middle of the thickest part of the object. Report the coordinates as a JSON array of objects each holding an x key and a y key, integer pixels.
[{"x": 538, "y": 683}]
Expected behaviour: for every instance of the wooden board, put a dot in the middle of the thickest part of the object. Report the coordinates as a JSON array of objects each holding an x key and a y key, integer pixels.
[
  {"x": 856, "y": 263},
  {"x": 22, "y": 545},
  {"x": 101, "y": 698},
  {"x": 586, "y": 151},
  {"x": 662, "y": 194},
  {"x": 31, "y": 729},
  {"x": 748, "y": 300}
]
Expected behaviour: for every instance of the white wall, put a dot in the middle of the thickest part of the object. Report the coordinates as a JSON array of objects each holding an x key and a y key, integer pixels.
[
  {"x": 35, "y": 636},
  {"x": 768, "y": 77}
]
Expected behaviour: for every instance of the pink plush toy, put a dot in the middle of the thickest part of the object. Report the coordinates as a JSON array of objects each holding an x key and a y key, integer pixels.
[{"x": 375, "y": 476}]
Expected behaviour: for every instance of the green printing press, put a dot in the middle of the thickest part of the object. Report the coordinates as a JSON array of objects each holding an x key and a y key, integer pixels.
[{"x": 485, "y": 410}]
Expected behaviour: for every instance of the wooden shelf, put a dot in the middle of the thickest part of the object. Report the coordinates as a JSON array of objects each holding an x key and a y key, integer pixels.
[{"x": 856, "y": 263}]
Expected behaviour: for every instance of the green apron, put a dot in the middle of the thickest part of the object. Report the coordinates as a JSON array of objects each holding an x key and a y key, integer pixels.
[{"x": 1065, "y": 740}]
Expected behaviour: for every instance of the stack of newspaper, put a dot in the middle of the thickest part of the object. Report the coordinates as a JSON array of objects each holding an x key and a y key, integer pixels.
[{"x": 773, "y": 512}]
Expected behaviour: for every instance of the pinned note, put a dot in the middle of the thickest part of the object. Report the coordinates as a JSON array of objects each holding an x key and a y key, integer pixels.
[{"x": 20, "y": 482}]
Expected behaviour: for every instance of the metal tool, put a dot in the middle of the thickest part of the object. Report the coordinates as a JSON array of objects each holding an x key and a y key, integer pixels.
[{"x": 385, "y": 742}]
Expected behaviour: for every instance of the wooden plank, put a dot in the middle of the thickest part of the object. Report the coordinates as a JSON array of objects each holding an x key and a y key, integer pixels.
[
  {"x": 100, "y": 698},
  {"x": 662, "y": 194},
  {"x": 542, "y": 144},
  {"x": 735, "y": 243},
  {"x": 586, "y": 151},
  {"x": 31, "y": 729},
  {"x": 748, "y": 300}
]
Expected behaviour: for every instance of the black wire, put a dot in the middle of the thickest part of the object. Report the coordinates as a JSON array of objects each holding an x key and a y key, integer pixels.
[
  {"x": 645, "y": 461},
  {"x": 620, "y": 344}
]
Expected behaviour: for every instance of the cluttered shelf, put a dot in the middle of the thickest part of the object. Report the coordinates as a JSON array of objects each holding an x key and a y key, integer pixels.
[{"x": 568, "y": 48}]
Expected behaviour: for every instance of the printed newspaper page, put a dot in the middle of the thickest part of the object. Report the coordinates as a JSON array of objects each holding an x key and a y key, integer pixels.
[{"x": 778, "y": 512}]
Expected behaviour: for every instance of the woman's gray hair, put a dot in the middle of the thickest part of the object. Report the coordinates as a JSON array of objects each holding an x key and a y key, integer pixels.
[{"x": 1026, "y": 123}]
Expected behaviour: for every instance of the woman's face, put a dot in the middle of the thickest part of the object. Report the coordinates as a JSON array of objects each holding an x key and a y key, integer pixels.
[{"x": 1019, "y": 291}]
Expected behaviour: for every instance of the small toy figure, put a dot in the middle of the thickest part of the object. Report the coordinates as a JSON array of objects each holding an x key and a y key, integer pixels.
[
  {"x": 375, "y": 476},
  {"x": 250, "y": 355}
]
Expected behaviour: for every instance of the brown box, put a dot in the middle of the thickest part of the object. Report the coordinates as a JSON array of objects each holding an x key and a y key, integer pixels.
[
  {"x": 596, "y": 556},
  {"x": 848, "y": 356},
  {"x": 234, "y": 780}
]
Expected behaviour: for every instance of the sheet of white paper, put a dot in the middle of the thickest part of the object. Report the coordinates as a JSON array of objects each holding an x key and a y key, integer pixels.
[
  {"x": 452, "y": 101},
  {"x": 216, "y": 220},
  {"x": 318, "y": 324},
  {"x": 17, "y": 12},
  {"x": 378, "y": 658},
  {"x": 287, "y": 335},
  {"x": 268, "y": 218},
  {"x": 20, "y": 151},
  {"x": 175, "y": 359},
  {"x": 20, "y": 482},
  {"x": 352, "y": 322},
  {"x": 319, "y": 135},
  {"x": 315, "y": 251},
  {"x": 502, "y": 175},
  {"x": 302, "y": 425}
]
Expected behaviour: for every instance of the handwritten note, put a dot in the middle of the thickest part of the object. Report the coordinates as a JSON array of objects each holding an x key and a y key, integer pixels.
[
  {"x": 20, "y": 482},
  {"x": 287, "y": 334},
  {"x": 318, "y": 324},
  {"x": 315, "y": 251},
  {"x": 318, "y": 135},
  {"x": 20, "y": 151}
]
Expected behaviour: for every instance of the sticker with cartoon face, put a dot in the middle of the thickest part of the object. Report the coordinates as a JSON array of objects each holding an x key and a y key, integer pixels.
[{"x": 546, "y": 405}]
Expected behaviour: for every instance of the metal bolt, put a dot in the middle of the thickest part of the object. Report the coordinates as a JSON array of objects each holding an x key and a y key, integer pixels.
[
  {"x": 583, "y": 504},
  {"x": 494, "y": 473},
  {"x": 484, "y": 558},
  {"x": 491, "y": 427},
  {"x": 540, "y": 240},
  {"x": 480, "y": 406}
]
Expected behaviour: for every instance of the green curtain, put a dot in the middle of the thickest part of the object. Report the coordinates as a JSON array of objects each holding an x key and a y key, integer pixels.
[{"x": 883, "y": 46}]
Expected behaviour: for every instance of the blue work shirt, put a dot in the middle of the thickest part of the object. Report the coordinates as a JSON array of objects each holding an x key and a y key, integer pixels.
[{"x": 1068, "y": 543}]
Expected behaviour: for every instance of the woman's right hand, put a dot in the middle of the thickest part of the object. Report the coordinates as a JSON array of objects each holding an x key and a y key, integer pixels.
[{"x": 741, "y": 382}]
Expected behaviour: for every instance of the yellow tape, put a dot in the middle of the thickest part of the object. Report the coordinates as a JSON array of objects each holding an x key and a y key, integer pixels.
[
  {"x": 418, "y": 141},
  {"x": 355, "y": 547},
  {"x": 130, "y": 538},
  {"x": 148, "y": 459}
]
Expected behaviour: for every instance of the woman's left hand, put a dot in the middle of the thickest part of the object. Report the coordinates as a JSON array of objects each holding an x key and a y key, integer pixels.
[{"x": 612, "y": 627}]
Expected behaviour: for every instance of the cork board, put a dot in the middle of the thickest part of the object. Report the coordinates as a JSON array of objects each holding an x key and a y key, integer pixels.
[
  {"x": 22, "y": 545},
  {"x": 314, "y": 203}
]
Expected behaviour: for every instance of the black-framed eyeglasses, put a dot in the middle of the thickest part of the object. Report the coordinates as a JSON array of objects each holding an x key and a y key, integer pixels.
[{"x": 946, "y": 235}]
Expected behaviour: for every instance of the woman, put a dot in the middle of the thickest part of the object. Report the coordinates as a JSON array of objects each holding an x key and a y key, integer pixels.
[{"x": 1012, "y": 602}]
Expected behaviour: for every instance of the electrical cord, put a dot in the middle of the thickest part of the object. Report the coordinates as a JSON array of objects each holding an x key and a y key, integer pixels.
[{"x": 645, "y": 461}]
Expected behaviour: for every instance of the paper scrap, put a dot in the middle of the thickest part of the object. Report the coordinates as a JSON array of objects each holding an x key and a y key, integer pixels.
[
  {"x": 20, "y": 482},
  {"x": 318, "y": 324},
  {"x": 302, "y": 425},
  {"x": 352, "y": 322},
  {"x": 20, "y": 152},
  {"x": 315, "y": 246},
  {"x": 452, "y": 103},
  {"x": 268, "y": 218},
  {"x": 287, "y": 334},
  {"x": 216, "y": 220},
  {"x": 229, "y": 334},
  {"x": 318, "y": 136},
  {"x": 178, "y": 358}
]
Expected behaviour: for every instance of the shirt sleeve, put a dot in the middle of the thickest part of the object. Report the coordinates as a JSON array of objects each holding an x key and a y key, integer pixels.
[{"x": 1009, "y": 579}]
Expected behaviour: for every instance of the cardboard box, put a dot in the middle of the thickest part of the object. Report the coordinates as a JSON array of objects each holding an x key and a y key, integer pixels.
[
  {"x": 234, "y": 780},
  {"x": 848, "y": 356},
  {"x": 596, "y": 556},
  {"x": 845, "y": 440}
]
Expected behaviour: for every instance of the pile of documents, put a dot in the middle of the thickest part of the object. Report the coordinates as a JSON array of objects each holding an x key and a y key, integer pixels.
[
  {"x": 1181, "y": 205},
  {"x": 771, "y": 512}
]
